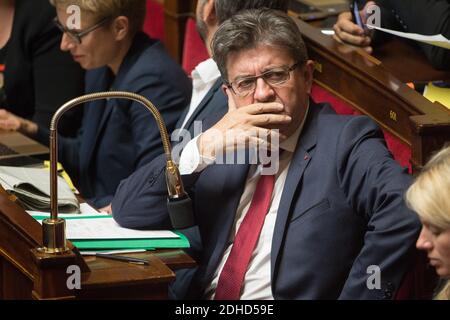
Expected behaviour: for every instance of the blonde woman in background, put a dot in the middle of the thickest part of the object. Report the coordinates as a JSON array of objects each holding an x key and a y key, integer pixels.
[{"x": 429, "y": 196}]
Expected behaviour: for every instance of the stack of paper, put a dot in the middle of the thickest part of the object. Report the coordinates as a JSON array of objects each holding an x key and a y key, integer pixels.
[{"x": 32, "y": 187}]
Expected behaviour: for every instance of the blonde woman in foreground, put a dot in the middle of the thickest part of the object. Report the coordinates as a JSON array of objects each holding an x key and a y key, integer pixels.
[{"x": 429, "y": 196}]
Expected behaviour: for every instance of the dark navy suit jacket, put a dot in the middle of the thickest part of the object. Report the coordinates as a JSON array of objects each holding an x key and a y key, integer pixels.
[
  {"x": 341, "y": 213},
  {"x": 213, "y": 107},
  {"x": 119, "y": 136}
]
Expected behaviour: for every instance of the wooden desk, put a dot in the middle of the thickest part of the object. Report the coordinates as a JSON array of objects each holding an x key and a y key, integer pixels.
[
  {"x": 366, "y": 84},
  {"x": 399, "y": 56},
  {"x": 407, "y": 63},
  {"x": 25, "y": 273}
]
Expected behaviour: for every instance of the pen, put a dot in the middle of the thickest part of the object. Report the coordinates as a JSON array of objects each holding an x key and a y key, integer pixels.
[
  {"x": 122, "y": 258},
  {"x": 355, "y": 13}
]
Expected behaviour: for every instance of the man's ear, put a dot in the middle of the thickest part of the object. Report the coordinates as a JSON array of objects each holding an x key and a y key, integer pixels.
[
  {"x": 225, "y": 89},
  {"x": 209, "y": 13},
  {"x": 231, "y": 102},
  {"x": 308, "y": 73},
  {"x": 121, "y": 28}
]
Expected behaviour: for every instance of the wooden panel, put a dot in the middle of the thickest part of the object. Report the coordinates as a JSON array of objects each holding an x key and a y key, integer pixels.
[
  {"x": 14, "y": 284},
  {"x": 175, "y": 259},
  {"x": 176, "y": 13},
  {"x": 18, "y": 234}
]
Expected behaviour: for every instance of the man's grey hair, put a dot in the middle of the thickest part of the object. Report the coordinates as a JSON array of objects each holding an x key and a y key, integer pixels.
[
  {"x": 250, "y": 28},
  {"x": 225, "y": 9}
]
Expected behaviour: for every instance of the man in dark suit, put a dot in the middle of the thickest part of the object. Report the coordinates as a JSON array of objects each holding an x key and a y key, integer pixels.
[
  {"x": 208, "y": 100},
  {"x": 329, "y": 223}
]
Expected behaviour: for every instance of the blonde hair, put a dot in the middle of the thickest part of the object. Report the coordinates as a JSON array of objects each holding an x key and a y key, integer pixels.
[
  {"x": 444, "y": 294},
  {"x": 134, "y": 10},
  {"x": 429, "y": 197}
]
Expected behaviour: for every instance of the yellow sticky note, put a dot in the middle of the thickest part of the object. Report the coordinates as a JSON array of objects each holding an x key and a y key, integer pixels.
[
  {"x": 63, "y": 174},
  {"x": 434, "y": 93}
]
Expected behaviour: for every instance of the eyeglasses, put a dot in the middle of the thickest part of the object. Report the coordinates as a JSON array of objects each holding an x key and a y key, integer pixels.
[
  {"x": 274, "y": 77},
  {"x": 77, "y": 36}
]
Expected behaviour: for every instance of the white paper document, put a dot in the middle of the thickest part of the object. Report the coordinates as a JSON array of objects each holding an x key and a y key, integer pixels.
[
  {"x": 107, "y": 228},
  {"x": 437, "y": 40}
]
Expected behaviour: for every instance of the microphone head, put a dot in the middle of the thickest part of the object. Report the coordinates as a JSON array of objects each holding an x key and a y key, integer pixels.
[{"x": 180, "y": 212}]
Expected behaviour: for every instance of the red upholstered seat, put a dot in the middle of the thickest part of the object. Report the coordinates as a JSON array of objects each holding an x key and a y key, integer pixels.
[
  {"x": 400, "y": 150},
  {"x": 154, "y": 21},
  {"x": 194, "y": 50}
]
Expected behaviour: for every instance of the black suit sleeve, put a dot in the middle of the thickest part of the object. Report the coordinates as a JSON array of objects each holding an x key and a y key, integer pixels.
[{"x": 141, "y": 199}]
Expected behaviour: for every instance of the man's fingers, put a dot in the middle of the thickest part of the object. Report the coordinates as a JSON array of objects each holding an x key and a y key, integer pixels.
[
  {"x": 355, "y": 39},
  {"x": 347, "y": 26},
  {"x": 347, "y": 31},
  {"x": 266, "y": 120},
  {"x": 260, "y": 108},
  {"x": 369, "y": 50},
  {"x": 6, "y": 125}
]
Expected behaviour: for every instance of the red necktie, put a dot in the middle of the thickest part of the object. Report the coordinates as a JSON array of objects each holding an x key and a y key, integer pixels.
[{"x": 233, "y": 273}]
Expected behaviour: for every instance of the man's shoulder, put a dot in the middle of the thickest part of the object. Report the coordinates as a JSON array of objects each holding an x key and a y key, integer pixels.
[
  {"x": 333, "y": 130},
  {"x": 329, "y": 121}
]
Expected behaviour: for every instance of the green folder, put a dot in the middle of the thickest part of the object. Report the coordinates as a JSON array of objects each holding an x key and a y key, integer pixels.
[{"x": 148, "y": 244}]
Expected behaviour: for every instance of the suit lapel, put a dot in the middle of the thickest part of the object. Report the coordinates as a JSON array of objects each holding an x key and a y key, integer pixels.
[{"x": 300, "y": 160}]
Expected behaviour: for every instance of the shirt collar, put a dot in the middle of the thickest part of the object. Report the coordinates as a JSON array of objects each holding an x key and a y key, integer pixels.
[{"x": 207, "y": 71}]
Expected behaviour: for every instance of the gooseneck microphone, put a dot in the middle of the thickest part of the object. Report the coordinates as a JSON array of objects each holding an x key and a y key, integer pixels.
[{"x": 179, "y": 204}]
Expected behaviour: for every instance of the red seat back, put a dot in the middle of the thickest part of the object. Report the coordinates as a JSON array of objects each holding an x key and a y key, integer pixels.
[
  {"x": 194, "y": 49},
  {"x": 154, "y": 21}
]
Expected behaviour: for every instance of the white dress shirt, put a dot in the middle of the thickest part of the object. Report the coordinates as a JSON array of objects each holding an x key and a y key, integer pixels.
[
  {"x": 204, "y": 76},
  {"x": 257, "y": 281}
]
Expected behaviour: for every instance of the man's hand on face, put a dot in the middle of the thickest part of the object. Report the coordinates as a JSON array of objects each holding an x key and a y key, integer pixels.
[{"x": 251, "y": 125}]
